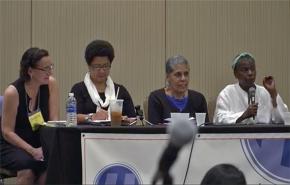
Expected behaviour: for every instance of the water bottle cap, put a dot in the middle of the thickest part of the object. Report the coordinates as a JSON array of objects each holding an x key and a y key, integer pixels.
[{"x": 70, "y": 94}]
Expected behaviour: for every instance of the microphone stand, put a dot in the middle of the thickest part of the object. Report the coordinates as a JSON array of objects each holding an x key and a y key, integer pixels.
[{"x": 140, "y": 117}]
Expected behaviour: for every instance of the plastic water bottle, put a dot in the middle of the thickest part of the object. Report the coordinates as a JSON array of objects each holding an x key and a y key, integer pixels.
[{"x": 71, "y": 110}]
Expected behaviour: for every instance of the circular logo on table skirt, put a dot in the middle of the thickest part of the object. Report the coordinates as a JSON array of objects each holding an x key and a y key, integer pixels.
[
  {"x": 117, "y": 174},
  {"x": 270, "y": 158}
]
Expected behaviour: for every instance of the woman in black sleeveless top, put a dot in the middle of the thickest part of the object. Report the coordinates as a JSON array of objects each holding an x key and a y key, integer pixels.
[{"x": 35, "y": 93}]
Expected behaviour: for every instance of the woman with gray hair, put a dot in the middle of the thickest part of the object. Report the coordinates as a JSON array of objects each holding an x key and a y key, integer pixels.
[{"x": 175, "y": 97}]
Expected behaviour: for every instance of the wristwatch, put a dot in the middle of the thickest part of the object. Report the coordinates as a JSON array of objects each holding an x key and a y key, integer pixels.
[{"x": 89, "y": 117}]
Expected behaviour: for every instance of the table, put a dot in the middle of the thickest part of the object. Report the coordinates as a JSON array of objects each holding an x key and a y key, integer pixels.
[
  {"x": 260, "y": 151},
  {"x": 63, "y": 145}
]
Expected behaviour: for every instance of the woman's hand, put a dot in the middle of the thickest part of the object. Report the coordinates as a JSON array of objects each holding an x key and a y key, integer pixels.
[
  {"x": 101, "y": 114},
  {"x": 125, "y": 119},
  {"x": 37, "y": 153},
  {"x": 269, "y": 84},
  {"x": 250, "y": 112}
]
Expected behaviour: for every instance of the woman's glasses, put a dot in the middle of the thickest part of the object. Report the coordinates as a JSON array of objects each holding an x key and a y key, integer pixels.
[
  {"x": 99, "y": 67},
  {"x": 47, "y": 69}
]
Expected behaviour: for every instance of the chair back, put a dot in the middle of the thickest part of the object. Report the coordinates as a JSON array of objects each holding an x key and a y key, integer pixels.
[
  {"x": 145, "y": 108},
  {"x": 1, "y": 104},
  {"x": 211, "y": 104},
  {"x": 4, "y": 173}
]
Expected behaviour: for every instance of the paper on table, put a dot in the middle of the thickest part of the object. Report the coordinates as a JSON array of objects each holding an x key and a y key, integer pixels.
[
  {"x": 100, "y": 121},
  {"x": 170, "y": 119},
  {"x": 59, "y": 123},
  {"x": 179, "y": 115}
]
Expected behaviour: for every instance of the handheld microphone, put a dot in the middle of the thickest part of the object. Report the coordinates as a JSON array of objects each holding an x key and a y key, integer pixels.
[
  {"x": 181, "y": 132},
  {"x": 252, "y": 97}
]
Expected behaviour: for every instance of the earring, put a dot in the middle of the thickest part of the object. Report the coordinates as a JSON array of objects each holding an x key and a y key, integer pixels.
[{"x": 166, "y": 83}]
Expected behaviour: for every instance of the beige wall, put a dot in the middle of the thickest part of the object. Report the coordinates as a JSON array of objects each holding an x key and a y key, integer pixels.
[
  {"x": 144, "y": 33},
  {"x": 14, "y": 38}
]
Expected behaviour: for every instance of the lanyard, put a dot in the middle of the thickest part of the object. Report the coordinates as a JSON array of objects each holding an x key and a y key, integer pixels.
[{"x": 27, "y": 103}]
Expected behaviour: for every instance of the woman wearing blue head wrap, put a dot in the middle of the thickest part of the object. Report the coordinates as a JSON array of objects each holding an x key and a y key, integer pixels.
[{"x": 247, "y": 102}]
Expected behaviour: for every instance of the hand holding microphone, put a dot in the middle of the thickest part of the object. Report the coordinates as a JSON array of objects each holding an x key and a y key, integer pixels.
[
  {"x": 252, "y": 109},
  {"x": 253, "y": 106}
]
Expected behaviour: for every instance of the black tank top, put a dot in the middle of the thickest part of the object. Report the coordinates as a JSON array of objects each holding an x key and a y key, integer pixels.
[{"x": 22, "y": 124}]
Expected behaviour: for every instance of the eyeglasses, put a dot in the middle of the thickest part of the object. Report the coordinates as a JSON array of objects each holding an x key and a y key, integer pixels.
[
  {"x": 99, "y": 67},
  {"x": 47, "y": 69}
]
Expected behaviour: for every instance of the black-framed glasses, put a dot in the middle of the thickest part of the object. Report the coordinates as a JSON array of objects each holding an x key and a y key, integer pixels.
[
  {"x": 47, "y": 69},
  {"x": 99, "y": 67}
]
